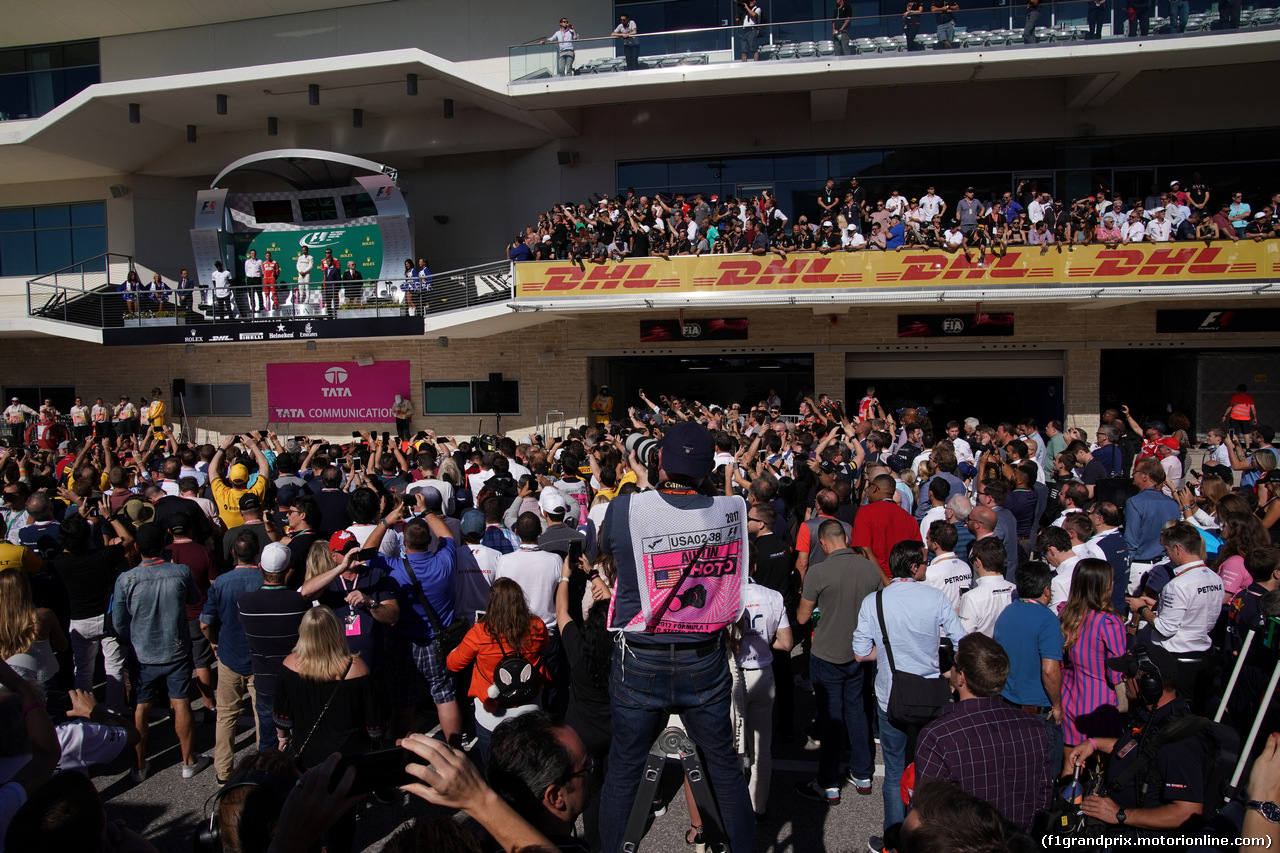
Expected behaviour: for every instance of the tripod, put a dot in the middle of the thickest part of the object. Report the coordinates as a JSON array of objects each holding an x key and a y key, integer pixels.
[{"x": 673, "y": 740}]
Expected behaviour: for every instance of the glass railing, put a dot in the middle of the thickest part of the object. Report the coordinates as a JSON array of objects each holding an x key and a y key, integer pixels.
[
  {"x": 29, "y": 94},
  {"x": 994, "y": 27},
  {"x": 89, "y": 294}
]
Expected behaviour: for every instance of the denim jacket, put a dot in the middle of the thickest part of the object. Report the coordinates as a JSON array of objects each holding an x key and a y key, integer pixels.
[{"x": 149, "y": 611}]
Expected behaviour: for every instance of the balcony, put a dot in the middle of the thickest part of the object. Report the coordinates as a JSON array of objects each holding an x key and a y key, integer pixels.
[
  {"x": 986, "y": 29},
  {"x": 914, "y": 275},
  {"x": 87, "y": 296}
]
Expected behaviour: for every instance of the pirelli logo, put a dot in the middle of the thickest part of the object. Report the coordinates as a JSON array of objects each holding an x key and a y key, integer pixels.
[{"x": 1134, "y": 264}]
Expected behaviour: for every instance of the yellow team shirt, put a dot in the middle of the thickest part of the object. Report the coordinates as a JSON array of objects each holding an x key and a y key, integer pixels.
[
  {"x": 629, "y": 477},
  {"x": 19, "y": 557},
  {"x": 227, "y": 498}
]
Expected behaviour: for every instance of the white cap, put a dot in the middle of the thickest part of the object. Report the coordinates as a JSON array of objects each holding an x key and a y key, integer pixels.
[
  {"x": 275, "y": 558},
  {"x": 552, "y": 502}
]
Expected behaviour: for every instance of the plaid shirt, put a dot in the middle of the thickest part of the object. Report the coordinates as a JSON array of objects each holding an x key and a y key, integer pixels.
[{"x": 993, "y": 751}]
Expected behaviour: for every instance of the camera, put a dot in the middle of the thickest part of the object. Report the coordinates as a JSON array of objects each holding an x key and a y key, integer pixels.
[{"x": 644, "y": 447}]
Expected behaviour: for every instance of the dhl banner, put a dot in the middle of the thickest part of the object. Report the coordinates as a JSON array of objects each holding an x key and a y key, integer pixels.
[{"x": 1079, "y": 266}]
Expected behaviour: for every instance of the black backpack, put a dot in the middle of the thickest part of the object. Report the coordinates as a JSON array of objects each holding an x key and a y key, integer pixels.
[
  {"x": 1220, "y": 745},
  {"x": 515, "y": 681}
]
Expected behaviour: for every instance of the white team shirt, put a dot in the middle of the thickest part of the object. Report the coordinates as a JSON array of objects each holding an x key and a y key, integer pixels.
[
  {"x": 1189, "y": 607},
  {"x": 252, "y": 268},
  {"x": 935, "y": 513},
  {"x": 1061, "y": 586},
  {"x": 304, "y": 265},
  {"x": 476, "y": 481},
  {"x": 952, "y": 575},
  {"x": 765, "y": 615},
  {"x": 931, "y": 205},
  {"x": 538, "y": 573},
  {"x": 1159, "y": 230},
  {"x": 983, "y": 603}
]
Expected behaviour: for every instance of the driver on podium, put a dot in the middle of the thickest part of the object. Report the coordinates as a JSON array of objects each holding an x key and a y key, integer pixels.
[{"x": 681, "y": 556}]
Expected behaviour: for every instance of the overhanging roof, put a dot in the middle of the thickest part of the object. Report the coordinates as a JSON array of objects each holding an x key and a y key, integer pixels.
[{"x": 90, "y": 134}]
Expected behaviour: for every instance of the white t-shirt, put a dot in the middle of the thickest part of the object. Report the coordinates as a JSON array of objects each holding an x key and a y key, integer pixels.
[
  {"x": 390, "y": 546},
  {"x": 765, "y": 615},
  {"x": 935, "y": 513},
  {"x": 476, "y": 481},
  {"x": 471, "y": 585},
  {"x": 538, "y": 573},
  {"x": 955, "y": 237},
  {"x": 931, "y": 205},
  {"x": 221, "y": 283},
  {"x": 981, "y": 605},
  {"x": 1218, "y": 456},
  {"x": 949, "y": 573}
]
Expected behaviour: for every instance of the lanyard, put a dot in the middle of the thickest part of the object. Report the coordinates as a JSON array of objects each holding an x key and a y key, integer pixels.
[{"x": 1189, "y": 567}]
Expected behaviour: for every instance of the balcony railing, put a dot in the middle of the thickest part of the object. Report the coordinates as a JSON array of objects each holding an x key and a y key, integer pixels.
[
  {"x": 88, "y": 294},
  {"x": 989, "y": 28},
  {"x": 30, "y": 94}
]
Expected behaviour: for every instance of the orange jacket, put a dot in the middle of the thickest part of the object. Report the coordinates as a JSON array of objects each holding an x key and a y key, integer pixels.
[{"x": 480, "y": 647}]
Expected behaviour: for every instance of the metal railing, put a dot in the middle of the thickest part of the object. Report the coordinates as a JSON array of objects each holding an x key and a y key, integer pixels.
[
  {"x": 31, "y": 94},
  {"x": 985, "y": 28},
  {"x": 90, "y": 294}
]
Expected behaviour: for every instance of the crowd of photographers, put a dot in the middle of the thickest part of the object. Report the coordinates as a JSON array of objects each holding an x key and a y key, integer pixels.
[
  {"x": 844, "y": 218},
  {"x": 504, "y": 629}
]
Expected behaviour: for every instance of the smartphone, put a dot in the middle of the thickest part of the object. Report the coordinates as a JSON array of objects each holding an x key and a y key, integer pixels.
[
  {"x": 341, "y": 460},
  {"x": 410, "y": 501},
  {"x": 355, "y": 433},
  {"x": 382, "y": 768},
  {"x": 1196, "y": 474},
  {"x": 480, "y": 615},
  {"x": 386, "y": 437},
  {"x": 575, "y": 552},
  {"x": 366, "y": 554},
  {"x": 299, "y": 438}
]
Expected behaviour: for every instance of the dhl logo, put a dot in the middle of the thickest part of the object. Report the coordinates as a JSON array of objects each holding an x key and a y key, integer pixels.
[{"x": 798, "y": 272}]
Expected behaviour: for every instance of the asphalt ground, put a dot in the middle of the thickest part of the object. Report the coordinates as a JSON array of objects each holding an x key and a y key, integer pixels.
[{"x": 166, "y": 809}]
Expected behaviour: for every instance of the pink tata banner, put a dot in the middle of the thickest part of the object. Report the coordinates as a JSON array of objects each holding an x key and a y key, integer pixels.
[{"x": 336, "y": 391}]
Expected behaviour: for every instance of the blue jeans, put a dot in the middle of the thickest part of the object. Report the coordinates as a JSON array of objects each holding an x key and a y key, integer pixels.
[
  {"x": 837, "y": 694},
  {"x": 646, "y": 685},
  {"x": 1179, "y": 11},
  {"x": 263, "y": 707},
  {"x": 893, "y": 743}
]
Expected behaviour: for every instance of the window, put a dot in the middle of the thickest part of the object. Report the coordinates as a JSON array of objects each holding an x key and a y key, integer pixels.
[
  {"x": 226, "y": 399},
  {"x": 320, "y": 209},
  {"x": 39, "y": 240},
  {"x": 277, "y": 210},
  {"x": 471, "y": 398},
  {"x": 358, "y": 205},
  {"x": 34, "y": 80}
]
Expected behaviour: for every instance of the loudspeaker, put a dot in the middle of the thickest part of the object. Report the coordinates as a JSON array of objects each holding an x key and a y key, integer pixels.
[
  {"x": 179, "y": 387},
  {"x": 495, "y": 377}
]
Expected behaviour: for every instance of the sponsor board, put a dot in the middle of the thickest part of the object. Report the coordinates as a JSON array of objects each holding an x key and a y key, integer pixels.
[
  {"x": 335, "y": 392},
  {"x": 266, "y": 331},
  {"x": 1078, "y": 266}
]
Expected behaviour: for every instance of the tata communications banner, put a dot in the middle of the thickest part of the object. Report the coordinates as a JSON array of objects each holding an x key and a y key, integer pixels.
[
  {"x": 359, "y": 243},
  {"x": 912, "y": 268},
  {"x": 336, "y": 391}
]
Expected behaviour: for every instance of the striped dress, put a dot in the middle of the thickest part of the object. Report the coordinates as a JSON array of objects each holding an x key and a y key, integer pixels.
[{"x": 1088, "y": 702}]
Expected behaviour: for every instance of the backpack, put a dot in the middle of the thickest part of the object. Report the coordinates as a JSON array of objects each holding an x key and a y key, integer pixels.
[
  {"x": 1220, "y": 745},
  {"x": 503, "y": 486},
  {"x": 515, "y": 681}
]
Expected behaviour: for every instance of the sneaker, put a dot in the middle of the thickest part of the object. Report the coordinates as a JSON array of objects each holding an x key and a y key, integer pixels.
[
  {"x": 876, "y": 845},
  {"x": 191, "y": 770},
  {"x": 811, "y": 790},
  {"x": 863, "y": 786},
  {"x": 136, "y": 776}
]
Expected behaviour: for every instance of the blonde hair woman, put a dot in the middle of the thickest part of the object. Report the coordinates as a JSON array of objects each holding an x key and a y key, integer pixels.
[
  {"x": 325, "y": 703},
  {"x": 29, "y": 635}
]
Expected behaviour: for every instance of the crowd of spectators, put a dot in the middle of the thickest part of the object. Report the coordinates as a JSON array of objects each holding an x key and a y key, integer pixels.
[
  {"x": 1091, "y": 594},
  {"x": 848, "y": 220}
]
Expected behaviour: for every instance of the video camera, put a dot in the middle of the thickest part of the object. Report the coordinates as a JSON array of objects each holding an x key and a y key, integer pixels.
[{"x": 487, "y": 443}]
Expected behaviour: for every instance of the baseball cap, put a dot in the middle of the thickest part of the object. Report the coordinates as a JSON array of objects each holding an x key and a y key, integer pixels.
[
  {"x": 688, "y": 450},
  {"x": 1260, "y": 215},
  {"x": 432, "y": 498},
  {"x": 180, "y": 522},
  {"x": 1174, "y": 183},
  {"x": 275, "y": 558},
  {"x": 968, "y": 189},
  {"x": 1158, "y": 658},
  {"x": 472, "y": 522},
  {"x": 826, "y": 223},
  {"x": 250, "y": 502},
  {"x": 552, "y": 503},
  {"x": 239, "y": 473},
  {"x": 288, "y": 494},
  {"x": 15, "y": 399},
  {"x": 342, "y": 542},
  {"x": 62, "y": 446}
]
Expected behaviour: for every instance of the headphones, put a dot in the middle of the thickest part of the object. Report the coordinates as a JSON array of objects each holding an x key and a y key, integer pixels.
[
  {"x": 208, "y": 837},
  {"x": 1149, "y": 680}
]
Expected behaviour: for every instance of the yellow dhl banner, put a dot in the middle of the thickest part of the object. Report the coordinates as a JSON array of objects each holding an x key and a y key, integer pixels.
[{"x": 1081, "y": 266}]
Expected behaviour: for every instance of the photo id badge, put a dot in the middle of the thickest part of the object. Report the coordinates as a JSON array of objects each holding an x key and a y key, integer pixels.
[{"x": 353, "y": 624}]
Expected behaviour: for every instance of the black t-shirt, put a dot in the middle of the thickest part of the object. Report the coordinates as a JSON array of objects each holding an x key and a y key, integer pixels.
[
  {"x": 169, "y": 506},
  {"x": 90, "y": 578},
  {"x": 363, "y": 632},
  {"x": 299, "y": 548},
  {"x": 229, "y": 539},
  {"x": 639, "y": 244},
  {"x": 270, "y": 617},
  {"x": 773, "y": 566},
  {"x": 333, "y": 510},
  {"x": 828, "y": 196},
  {"x": 945, "y": 17},
  {"x": 588, "y": 712}
]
